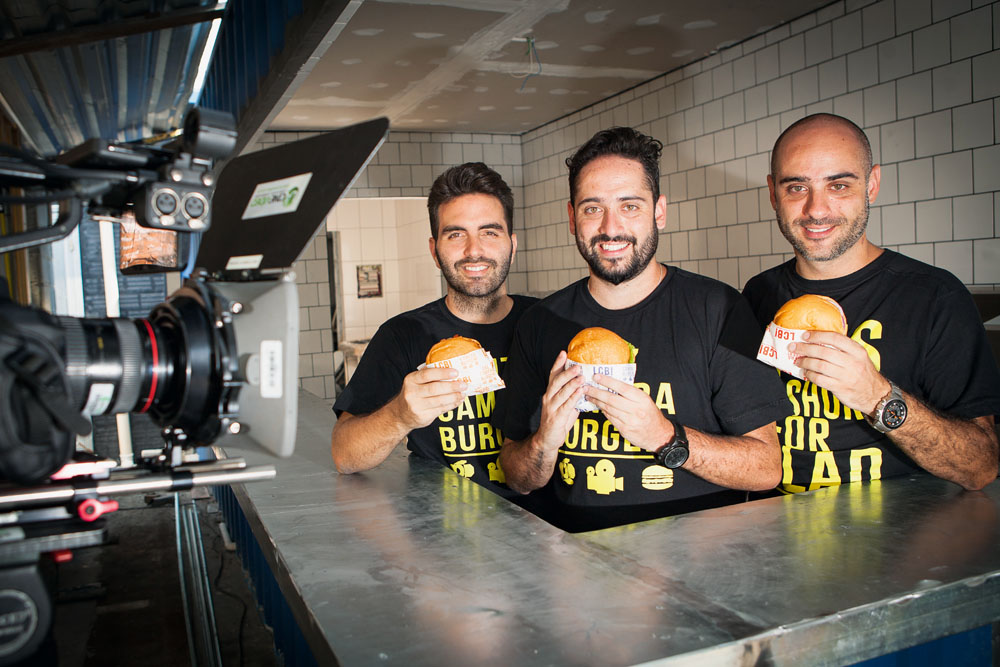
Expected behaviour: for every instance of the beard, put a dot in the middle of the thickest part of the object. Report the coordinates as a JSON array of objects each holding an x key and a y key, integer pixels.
[
  {"x": 852, "y": 231},
  {"x": 621, "y": 269},
  {"x": 471, "y": 292}
]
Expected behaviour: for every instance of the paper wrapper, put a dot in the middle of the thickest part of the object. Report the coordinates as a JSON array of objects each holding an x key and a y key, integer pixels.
[
  {"x": 623, "y": 372},
  {"x": 476, "y": 368},
  {"x": 774, "y": 349}
]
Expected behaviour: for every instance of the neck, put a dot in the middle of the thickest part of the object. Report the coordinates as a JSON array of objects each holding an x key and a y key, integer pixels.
[
  {"x": 863, "y": 253},
  {"x": 628, "y": 293},
  {"x": 487, "y": 309}
]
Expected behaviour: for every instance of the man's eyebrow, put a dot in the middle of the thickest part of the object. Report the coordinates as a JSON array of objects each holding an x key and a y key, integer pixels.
[
  {"x": 486, "y": 225},
  {"x": 833, "y": 177},
  {"x": 598, "y": 200}
]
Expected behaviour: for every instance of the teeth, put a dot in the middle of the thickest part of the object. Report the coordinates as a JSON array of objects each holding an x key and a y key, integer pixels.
[
  {"x": 612, "y": 247},
  {"x": 475, "y": 269}
]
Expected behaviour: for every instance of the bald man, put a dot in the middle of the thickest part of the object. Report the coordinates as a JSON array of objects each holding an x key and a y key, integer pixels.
[{"x": 914, "y": 386}]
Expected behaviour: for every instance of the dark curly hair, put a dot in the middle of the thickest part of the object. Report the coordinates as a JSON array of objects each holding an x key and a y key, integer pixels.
[
  {"x": 624, "y": 142},
  {"x": 468, "y": 179}
]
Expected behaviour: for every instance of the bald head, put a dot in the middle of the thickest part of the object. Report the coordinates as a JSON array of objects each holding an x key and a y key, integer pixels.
[{"x": 820, "y": 122}]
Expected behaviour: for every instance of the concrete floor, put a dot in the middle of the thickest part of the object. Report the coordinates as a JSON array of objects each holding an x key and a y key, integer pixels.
[{"x": 121, "y": 603}]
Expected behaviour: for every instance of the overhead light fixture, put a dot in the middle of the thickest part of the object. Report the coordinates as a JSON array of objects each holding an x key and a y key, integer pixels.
[{"x": 206, "y": 56}]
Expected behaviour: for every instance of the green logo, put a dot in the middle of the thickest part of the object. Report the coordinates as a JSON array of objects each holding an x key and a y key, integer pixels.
[{"x": 290, "y": 197}]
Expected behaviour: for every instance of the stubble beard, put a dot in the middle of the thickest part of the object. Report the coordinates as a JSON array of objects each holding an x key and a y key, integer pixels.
[
  {"x": 855, "y": 230},
  {"x": 481, "y": 296},
  {"x": 622, "y": 269}
]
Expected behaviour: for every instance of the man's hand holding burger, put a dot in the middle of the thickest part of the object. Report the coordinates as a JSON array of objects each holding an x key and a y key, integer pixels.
[
  {"x": 829, "y": 358},
  {"x": 632, "y": 412}
]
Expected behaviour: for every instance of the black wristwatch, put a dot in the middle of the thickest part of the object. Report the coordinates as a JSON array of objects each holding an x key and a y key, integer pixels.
[
  {"x": 674, "y": 453},
  {"x": 890, "y": 413}
]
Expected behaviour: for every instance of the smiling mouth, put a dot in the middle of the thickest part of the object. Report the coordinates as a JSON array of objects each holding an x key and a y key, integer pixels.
[
  {"x": 613, "y": 246},
  {"x": 474, "y": 268}
]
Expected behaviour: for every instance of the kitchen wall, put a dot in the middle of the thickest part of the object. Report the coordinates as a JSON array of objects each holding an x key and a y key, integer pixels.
[{"x": 919, "y": 76}]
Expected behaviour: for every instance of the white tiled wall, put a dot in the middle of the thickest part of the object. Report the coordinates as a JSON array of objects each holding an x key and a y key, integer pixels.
[
  {"x": 392, "y": 232},
  {"x": 920, "y": 76}
]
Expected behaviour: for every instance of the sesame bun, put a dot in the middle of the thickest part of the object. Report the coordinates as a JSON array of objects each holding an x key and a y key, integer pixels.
[
  {"x": 596, "y": 345},
  {"x": 449, "y": 348},
  {"x": 812, "y": 312}
]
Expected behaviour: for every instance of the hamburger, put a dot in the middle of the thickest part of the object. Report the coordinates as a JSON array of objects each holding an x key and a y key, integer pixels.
[
  {"x": 449, "y": 348},
  {"x": 598, "y": 346},
  {"x": 812, "y": 312}
]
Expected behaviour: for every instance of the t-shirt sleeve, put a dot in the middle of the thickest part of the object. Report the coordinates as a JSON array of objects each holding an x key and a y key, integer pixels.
[
  {"x": 519, "y": 406},
  {"x": 379, "y": 375},
  {"x": 960, "y": 373},
  {"x": 746, "y": 394}
]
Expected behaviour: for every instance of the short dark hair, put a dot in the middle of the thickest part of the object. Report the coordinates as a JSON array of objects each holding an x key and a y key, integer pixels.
[
  {"x": 859, "y": 134},
  {"x": 469, "y": 179},
  {"x": 623, "y": 142}
]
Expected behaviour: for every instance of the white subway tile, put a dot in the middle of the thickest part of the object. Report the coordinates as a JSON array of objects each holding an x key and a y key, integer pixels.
[
  {"x": 895, "y": 58},
  {"x": 759, "y": 238},
  {"x": 913, "y": 95},
  {"x": 985, "y": 81},
  {"x": 916, "y": 181},
  {"x": 922, "y": 252},
  {"x": 953, "y": 174},
  {"x": 833, "y": 78},
  {"x": 698, "y": 244},
  {"x": 677, "y": 190},
  {"x": 388, "y": 153},
  {"x": 722, "y": 80},
  {"x": 880, "y": 104},
  {"x": 847, "y": 34},
  {"x": 451, "y": 154},
  {"x": 685, "y": 155},
  {"x": 706, "y": 213},
  {"x": 955, "y": 257},
  {"x": 736, "y": 175},
  {"x": 732, "y": 110},
  {"x": 897, "y": 141},
  {"x": 986, "y": 163},
  {"x": 729, "y": 272},
  {"x": 766, "y": 63},
  {"x": 736, "y": 238},
  {"x": 746, "y": 139},
  {"x": 819, "y": 45},
  {"x": 898, "y": 225},
  {"x": 889, "y": 188},
  {"x": 878, "y": 22},
  {"x": 764, "y": 203},
  {"x": 694, "y": 122},
  {"x": 952, "y": 85},
  {"x": 712, "y": 116},
  {"x": 725, "y": 209},
  {"x": 725, "y": 145},
  {"x": 743, "y": 72},
  {"x": 688, "y": 215},
  {"x": 755, "y": 102},
  {"x": 850, "y": 106},
  {"x": 934, "y": 220},
  {"x": 862, "y": 68},
  {"x": 696, "y": 183},
  {"x": 943, "y": 9},
  {"x": 399, "y": 176},
  {"x": 915, "y": 14},
  {"x": 973, "y": 216},
  {"x": 747, "y": 209},
  {"x": 749, "y": 267},
  {"x": 931, "y": 47},
  {"x": 675, "y": 128},
  {"x": 792, "y": 54},
  {"x": 779, "y": 94},
  {"x": 715, "y": 180},
  {"x": 679, "y": 247},
  {"x": 973, "y": 125},
  {"x": 684, "y": 94},
  {"x": 986, "y": 261},
  {"x": 805, "y": 87},
  {"x": 717, "y": 242},
  {"x": 971, "y": 34},
  {"x": 702, "y": 87},
  {"x": 708, "y": 268}
]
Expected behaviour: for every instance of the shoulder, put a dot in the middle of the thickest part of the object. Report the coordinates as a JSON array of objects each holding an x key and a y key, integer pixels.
[
  {"x": 696, "y": 287},
  {"x": 912, "y": 271}
]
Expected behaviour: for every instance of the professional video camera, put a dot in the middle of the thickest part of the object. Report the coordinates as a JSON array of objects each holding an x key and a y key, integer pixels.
[{"x": 216, "y": 361}]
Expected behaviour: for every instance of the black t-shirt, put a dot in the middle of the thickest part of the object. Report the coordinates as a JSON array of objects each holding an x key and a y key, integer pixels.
[
  {"x": 462, "y": 439},
  {"x": 920, "y": 328},
  {"x": 697, "y": 341}
]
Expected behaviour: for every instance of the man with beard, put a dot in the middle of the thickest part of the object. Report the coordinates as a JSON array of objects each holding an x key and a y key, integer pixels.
[
  {"x": 915, "y": 385},
  {"x": 388, "y": 400},
  {"x": 699, "y": 420}
]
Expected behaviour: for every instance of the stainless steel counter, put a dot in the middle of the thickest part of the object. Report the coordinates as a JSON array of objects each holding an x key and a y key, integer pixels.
[{"x": 410, "y": 564}]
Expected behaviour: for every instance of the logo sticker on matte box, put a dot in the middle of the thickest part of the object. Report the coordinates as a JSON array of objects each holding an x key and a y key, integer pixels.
[{"x": 277, "y": 197}]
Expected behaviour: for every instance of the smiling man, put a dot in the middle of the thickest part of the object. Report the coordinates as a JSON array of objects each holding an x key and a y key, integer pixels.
[
  {"x": 915, "y": 385},
  {"x": 388, "y": 400},
  {"x": 699, "y": 419}
]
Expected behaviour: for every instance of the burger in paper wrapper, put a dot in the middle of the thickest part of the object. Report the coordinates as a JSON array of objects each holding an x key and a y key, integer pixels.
[
  {"x": 474, "y": 364},
  {"x": 599, "y": 351},
  {"x": 809, "y": 312}
]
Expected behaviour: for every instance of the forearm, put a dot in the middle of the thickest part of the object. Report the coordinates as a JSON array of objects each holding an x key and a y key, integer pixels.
[
  {"x": 750, "y": 462},
  {"x": 526, "y": 465},
  {"x": 361, "y": 442},
  {"x": 958, "y": 450}
]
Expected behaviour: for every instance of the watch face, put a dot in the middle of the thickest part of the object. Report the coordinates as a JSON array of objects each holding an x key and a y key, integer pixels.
[
  {"x": 673, "y": 457},
  {"x": 894, "y": 413}
]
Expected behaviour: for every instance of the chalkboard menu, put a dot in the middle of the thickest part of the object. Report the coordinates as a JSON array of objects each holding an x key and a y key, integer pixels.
[{"x": 137, "y": 294}]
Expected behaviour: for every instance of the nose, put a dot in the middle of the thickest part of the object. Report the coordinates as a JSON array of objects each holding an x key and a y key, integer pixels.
[
  {"x": 611, "y": 224},
  {"x": 817, "y": 205},
  {"x": 473, "y": 246}
]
